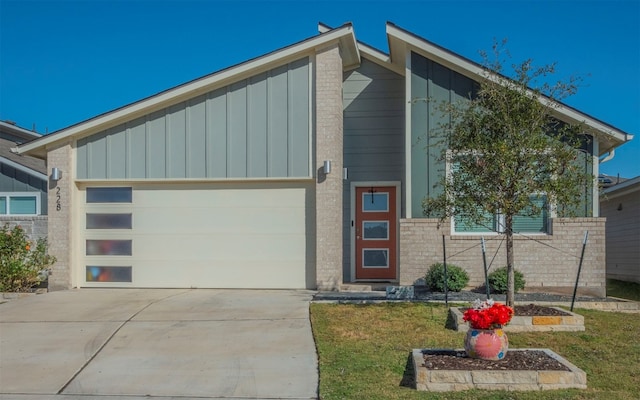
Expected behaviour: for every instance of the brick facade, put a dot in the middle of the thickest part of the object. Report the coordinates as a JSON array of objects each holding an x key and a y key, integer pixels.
[
  {"x": 329, "y": 140},
  {"x": 60, "y": 218},
  {"x": 548, "y": 262},
  {"x": 35, "y": 227}
]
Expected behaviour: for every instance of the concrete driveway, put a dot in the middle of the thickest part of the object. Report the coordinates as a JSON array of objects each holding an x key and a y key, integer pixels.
[{"x": 130, "y": 343}]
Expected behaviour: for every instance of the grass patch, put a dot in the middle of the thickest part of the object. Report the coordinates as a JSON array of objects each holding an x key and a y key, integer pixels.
[
  {"x": 623, "y": 290},
  {"x": 364, "y": 352}
]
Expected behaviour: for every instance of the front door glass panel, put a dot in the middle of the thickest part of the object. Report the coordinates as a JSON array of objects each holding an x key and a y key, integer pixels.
[
  {"x": 375, "y": 258},
  {"x": 375, "y": 202},
  {"x": 375, "y": 230}
]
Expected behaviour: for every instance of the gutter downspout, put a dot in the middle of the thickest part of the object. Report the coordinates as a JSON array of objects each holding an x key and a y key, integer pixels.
[{"x": 608, "y": 157}]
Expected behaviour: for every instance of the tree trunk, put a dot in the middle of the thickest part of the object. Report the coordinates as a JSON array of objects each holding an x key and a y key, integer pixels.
[{"x": 510, "y": 267}]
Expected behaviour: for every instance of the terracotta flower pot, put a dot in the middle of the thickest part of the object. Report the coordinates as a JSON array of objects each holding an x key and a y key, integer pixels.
[{"x": 486, "y": 344}]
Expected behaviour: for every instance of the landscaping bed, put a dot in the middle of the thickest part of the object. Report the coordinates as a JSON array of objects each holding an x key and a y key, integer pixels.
[
  {"x": 526, "y": 360},
  {"x": 528, "y": 318},
  {"x": 442, "y": 370}
]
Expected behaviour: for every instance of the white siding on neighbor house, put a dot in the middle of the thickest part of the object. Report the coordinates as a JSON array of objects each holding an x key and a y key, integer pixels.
[
  {"x": 255, "y": 128},
  {"x": 224, "y": 235},
  {"x": 623, "y": 234}
]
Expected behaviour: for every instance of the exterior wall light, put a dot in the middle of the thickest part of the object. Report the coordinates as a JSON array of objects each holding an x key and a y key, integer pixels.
[
  {"x": 327, "y": 167},
  {"x": 56, "y": 174}
]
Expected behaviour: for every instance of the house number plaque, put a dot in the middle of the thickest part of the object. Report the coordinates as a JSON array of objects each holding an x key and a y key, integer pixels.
[{"x": 58, "y": 204}]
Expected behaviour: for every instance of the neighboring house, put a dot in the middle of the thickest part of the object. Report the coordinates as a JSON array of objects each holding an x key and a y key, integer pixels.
[
  {"x": 302, "y": 168},
  {"x": 606, "y": 181},
  {"x": 620, "y": 205},
  {"x": 23, "y": 183}
]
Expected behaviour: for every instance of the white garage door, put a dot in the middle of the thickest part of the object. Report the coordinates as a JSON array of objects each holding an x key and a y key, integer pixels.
[{"x": 195, "y": 235}]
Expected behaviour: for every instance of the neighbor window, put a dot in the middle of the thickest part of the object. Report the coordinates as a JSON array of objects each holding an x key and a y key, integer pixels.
[{"x": 27, "y": 203}]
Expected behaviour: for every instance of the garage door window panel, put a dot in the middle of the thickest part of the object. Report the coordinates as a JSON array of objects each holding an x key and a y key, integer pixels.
[
  {"x": 109, "y": 221},
  {"x": 109, "y": 247},
  {"x": 108, "y": 274},
  {"x": 109, "y": 195}
]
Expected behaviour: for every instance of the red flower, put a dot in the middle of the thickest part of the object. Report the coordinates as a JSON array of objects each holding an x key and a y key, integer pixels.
[{"x": 488, "y": 315}]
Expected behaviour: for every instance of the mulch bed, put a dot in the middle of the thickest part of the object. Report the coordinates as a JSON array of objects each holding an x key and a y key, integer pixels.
[
  {"x": 533, "y": 310},
  {"x": 527, "y": 360}
]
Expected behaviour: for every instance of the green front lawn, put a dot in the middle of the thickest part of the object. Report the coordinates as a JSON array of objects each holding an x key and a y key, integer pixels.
[
  {"x": 364, "y": 352},
  {"x": 623, "y": 290}
]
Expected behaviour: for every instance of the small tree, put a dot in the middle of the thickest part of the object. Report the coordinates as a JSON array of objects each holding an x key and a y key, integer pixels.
[{"x": 506, "y": 150}]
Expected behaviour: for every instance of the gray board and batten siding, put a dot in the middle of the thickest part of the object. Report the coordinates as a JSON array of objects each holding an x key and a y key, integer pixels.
[
  {"x": 374, "y": 104},
  {"x": 431, "y": 85},
  {"x": 255, "y": 128},
  {"x": 15, "y": 180}
]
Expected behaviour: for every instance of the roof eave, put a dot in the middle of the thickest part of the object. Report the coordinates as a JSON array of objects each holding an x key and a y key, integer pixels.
[
  {"x": 343, "y": 35},
  {"x": 23, "y": 168},
  {"x": 370, "y": 53},
  {"x": 621, "y": 189},
  {"x": 18, "y": 131},
  {"x": 401, "y": 40}
]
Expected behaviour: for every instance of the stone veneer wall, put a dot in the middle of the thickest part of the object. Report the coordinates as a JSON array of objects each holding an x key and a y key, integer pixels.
[
  {"x": 550, "y": 262},
  {"x": 60, "y": 223},
  {"x": 329, "y": 139}
]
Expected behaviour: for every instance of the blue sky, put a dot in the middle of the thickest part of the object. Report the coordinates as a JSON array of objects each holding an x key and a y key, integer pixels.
[{"x": 62, "y": 62}]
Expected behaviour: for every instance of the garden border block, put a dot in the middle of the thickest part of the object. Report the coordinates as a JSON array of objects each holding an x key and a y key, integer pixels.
[
  {"x": 516, "y": 380},
  {"x": 565, "y": 323}
]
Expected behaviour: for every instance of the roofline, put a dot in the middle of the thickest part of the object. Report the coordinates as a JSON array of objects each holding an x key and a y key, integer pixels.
[
  {"x": 370, "y": 53},
  {"x": 476, "y": 71},
  {"x": 18, "y": 131},
  {"x": 622, "y": 188},
  {"x": 24, "y": 169},
  {"x": 343, "y": 35}
]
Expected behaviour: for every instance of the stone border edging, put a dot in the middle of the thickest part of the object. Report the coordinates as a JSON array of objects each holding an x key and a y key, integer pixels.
[
  {"x": 560, "y": 323},
  {"x": 455, "y": 380}
]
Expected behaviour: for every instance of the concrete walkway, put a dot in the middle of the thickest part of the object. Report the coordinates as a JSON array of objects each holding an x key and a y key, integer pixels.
[{"x": 146, "y": 343}]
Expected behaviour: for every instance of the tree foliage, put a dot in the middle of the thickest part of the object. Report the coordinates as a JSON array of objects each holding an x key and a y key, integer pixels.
[{"x": 505, "y": 146}]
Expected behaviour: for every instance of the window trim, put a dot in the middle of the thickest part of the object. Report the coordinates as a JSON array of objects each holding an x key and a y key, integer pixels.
[
  {"x": 9, "y": 195},
  {"x": 500, "y": 224}
]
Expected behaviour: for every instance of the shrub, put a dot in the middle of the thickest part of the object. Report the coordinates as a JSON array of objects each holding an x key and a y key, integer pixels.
[
  {"x": 22, "y": 261},
  {"x": 498, "y": 280},
  {"x": 457, "y": 278}
]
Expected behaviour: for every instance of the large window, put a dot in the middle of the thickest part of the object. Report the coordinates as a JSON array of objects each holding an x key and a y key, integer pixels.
[
  {"x": 522, "y": 223},
  {"x": 27, "y": 203}
]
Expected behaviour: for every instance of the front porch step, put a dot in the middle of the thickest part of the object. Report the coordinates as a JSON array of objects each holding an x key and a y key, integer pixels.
[{"x": 364, "y": 287}]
